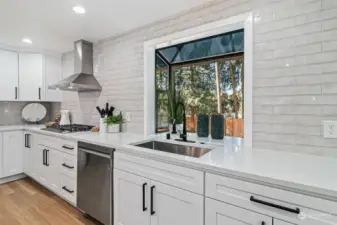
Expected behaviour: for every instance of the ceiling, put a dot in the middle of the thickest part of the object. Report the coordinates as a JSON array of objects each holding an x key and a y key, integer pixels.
[{"x": 53, "y": 26}]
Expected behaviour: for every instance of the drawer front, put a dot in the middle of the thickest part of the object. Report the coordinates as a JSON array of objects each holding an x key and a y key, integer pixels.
[
  {"x": 271, "y": 201},
  {"x": 68, "y": 189},
  {"x": 69, "y": 165},
  {"x": 66, "y": 146},
  {"x": 184, "y": 178}
]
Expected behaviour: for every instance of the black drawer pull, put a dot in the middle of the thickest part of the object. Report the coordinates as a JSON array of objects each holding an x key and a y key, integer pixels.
[
  {"x": 144, "y": 205},
  {"x": 66, "y": 147},
  {"x": 67, "y": 190},
  {"x": 69, "y": 167},
  {"x": 297, "y": 210},
  {"x": 152, "y": 207}
]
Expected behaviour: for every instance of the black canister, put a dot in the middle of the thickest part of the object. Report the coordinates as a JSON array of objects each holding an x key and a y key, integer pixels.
[
  {"x": 217, "y": 127},
  {"x": 203, "y": 125}
]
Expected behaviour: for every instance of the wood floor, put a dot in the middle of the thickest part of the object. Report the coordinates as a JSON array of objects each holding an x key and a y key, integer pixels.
[{"x": 24, "y": 202}]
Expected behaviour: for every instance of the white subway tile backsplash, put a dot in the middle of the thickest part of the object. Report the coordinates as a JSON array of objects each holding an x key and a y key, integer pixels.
[
  {"x": 289, "y": 32},
  {"x": 294, "y": 80},
  {"x": 302, "y": 8},
  {"x": 329, "y": 46},
  {"x": 301, "y": 50},
  {"x": 328, "y": 4},
  {"x": 298, "y": 110},
  {"x": 329, "y": 24},
  {"x": 288, "y": 90},
  {"x": 330, "y": 110},
  {"x": 295, "y": 130}
]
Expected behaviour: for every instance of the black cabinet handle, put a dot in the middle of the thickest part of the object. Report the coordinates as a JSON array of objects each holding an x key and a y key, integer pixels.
[
  {"x": 67, "y": 190},
  {"x": 16, "y": 92},
  {"x": 43, "y": 157},
  {"x": 26, "y": 136},
  {"x": 152, "y": 210},
  {"x": 296, "y": 211},
  {"x": 144, "y": 205},
  {"x": 263, "y": 223},
  {"x": 40, "y": 93},
  {"x": 69, "y": 167},
  {"x": 66, "y": 147},
  {"x": 47, "y": 158},
  {"x": 28, "y": 140}
]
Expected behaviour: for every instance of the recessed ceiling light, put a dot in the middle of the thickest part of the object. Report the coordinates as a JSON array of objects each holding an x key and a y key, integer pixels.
[
  {"x": 27, "y": 40},
  {"x": 79, "y": 9}
]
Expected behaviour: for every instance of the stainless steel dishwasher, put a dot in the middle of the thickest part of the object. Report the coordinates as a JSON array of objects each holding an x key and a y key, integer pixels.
[{"x": 94, "y": 182}]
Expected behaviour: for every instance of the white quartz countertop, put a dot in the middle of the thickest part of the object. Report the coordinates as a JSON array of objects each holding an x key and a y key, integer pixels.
[{"x": 314, "y": 175}]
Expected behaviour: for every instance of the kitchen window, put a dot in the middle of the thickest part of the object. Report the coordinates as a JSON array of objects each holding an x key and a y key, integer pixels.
[{"x": 207, "y": 75}]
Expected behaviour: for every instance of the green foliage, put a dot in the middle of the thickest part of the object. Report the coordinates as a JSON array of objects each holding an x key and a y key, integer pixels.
[{"x": 114, "y": 119}]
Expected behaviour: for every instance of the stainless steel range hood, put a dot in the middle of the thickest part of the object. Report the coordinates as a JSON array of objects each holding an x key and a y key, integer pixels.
[{"x": 83, "y": 80}]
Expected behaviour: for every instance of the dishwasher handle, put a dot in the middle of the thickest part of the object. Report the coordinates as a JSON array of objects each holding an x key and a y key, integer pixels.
[{"x": 93, "y": 152}]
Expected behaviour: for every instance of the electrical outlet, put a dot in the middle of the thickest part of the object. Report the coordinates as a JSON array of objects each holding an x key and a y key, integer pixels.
[
  {"x": 127, "y": 116},
  {"x": 330, "y": 129}
]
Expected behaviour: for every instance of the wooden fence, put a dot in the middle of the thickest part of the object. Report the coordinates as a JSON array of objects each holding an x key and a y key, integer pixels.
[{"x": 233, "y": 127}]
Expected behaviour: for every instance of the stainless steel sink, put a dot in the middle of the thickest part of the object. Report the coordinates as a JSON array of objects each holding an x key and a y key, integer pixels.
[{"x": 175, "y": 149}]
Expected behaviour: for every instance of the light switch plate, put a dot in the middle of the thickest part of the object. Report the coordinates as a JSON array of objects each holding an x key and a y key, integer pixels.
[{"x": 330, "y": 129}]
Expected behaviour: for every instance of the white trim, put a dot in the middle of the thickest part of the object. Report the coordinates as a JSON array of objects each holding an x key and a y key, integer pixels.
[{"x": 243, "y": 21}]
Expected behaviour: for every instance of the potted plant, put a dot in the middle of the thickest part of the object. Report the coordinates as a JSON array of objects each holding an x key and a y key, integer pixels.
[{"x": 113, "y": 123}]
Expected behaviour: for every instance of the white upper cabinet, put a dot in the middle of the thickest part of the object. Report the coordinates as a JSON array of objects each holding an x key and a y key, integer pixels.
[
  {"x": 13, "y": 145},
  {"x": 53, "y": 75},
  {"x": 9, "y": 71},
  {"x": 31, "y": 77}
]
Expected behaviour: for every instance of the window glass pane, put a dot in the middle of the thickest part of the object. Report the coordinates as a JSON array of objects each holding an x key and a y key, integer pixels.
[
  {"x": 162, "y": 111},
  {"x": 162, "y": 75},
  {"x": 205, "y": 48}
]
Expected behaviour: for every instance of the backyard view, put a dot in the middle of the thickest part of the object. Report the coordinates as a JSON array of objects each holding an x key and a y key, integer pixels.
[
  {"x": 211, "y": 85},
  {"x": 205, "y": 88}
]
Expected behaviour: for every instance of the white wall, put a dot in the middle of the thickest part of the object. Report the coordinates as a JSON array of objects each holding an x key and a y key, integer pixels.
[{"x": 295, "y": 70}]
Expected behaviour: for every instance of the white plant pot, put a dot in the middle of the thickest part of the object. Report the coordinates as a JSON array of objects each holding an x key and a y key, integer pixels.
[
  {"x": 115, "y": 128},
  {"x": 102, "y": 126}
]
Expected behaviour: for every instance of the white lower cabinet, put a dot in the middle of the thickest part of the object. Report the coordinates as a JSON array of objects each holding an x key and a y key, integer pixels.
[
  {"x": 152, "y": 202},
  {"x": 219, "y": 213},
  {"x": 52, "y": 167},
  {"x": 131, "y": 197},
  {"x": 172, "y": 205},
  {"x": 12, "y": 153}
]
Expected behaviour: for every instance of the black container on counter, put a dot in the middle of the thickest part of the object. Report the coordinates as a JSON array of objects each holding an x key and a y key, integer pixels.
[
  {"x": 203, "y": 125},
  {"x": 217, "y": 127}
]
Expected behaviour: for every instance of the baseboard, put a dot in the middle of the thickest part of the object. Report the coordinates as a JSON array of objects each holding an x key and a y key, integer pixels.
[{"x": 12, "y": 178}]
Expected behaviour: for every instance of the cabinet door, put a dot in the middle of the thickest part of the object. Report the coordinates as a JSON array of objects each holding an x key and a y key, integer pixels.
[
  {"x": 28, "y": 144},
  {"x": 13, "y": 145},
  {"x": 52, "y": 76},
  {"x": 36, "y": 159},
  {"x": 9, "y": 75},
  {"x": 280, "y": 222},
  {"x": 131, "y": 199},
  {"x": 40, "y": 168},
  {"x": 30, "y": 77},
  {"x": 52, "y": 169},
  {"x": 175, "y": 206},
  {"x": 219, "y": 213}
]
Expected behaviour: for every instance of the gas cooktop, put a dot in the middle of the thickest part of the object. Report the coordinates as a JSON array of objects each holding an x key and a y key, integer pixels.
[{"x": 72, "y": 128}]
